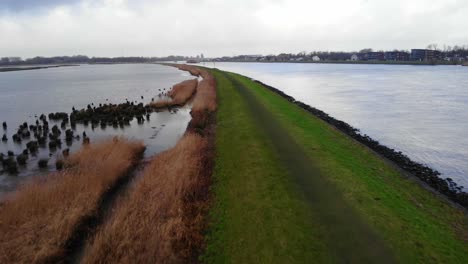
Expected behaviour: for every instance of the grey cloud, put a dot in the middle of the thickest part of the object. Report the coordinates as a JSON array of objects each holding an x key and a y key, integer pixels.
[
  {"x": 215, "y": 28},
  {"x": 31, "y": 5}
]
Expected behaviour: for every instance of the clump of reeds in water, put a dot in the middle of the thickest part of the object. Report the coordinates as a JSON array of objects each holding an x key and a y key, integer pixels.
[{"x": 178, "y": 95}]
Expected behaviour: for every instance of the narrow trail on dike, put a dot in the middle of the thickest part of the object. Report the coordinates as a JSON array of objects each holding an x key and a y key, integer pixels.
[
  {"x": 348, "y": 236},
  {"x": 77, "y": 243}
]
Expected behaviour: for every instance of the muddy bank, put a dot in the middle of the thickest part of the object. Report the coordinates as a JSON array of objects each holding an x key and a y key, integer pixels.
[{"x": 428, "y": 175}]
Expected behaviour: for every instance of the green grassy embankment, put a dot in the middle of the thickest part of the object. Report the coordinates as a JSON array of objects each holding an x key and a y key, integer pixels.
[{"x": 289, "y": 188}]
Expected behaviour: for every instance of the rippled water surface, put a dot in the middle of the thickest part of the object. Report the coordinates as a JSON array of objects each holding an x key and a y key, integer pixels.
[
  {"x": 420, "y": 110},
  {"x": 24, "y": 95}
]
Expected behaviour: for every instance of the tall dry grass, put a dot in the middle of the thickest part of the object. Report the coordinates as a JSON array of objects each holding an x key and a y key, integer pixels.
[
  {"x": 204, "y": 104},
  {"x": 161, "y": 103},
  {"x": 182, "y": 92},
  {"x": 39, "y": 218},
  {"x": 205, "y": 98},
  {"x": 179, "y": 94},
  {"x": 162, "y": 219}
]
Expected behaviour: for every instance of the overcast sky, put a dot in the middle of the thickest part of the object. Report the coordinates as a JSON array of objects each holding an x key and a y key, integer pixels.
[{"x": 230, "y": 27}]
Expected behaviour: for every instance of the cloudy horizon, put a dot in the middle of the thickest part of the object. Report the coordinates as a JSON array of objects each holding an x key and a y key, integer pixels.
[{"x": 113, "y": 28}]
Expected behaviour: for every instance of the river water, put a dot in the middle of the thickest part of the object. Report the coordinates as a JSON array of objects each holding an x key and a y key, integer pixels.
[
  {"x": 24, "y": 95},
  {"x": 419, "y": 110}
]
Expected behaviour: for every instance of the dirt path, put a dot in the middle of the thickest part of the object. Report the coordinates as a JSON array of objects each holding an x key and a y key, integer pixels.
[
  {"x": 76, "y": 245},
  {"x": 348, "y": 236}
]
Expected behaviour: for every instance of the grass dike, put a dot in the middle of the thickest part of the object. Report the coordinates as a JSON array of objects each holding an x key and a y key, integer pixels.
[
  {"x": 266, "y": 210},
  {"x": 40, "y": 220}
]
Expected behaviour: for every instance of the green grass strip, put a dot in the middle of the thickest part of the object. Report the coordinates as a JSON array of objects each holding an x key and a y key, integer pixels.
[
  {"x": 260, "y": 216},
  {"x": 416, "y": 224}
]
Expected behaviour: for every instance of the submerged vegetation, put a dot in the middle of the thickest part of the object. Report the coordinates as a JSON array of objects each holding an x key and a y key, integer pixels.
[
  {"x": 59, "y": 129},
  {"x": 41, "y": 217}
]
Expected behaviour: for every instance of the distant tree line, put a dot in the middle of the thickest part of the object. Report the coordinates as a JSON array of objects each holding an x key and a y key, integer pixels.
[
  {"x": 447, "y": 53},
  {"x": 81, "y": 59}
]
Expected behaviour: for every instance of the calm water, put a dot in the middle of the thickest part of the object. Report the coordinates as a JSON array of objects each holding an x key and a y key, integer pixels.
[
  {"x": 27, "y": 94},
  {"x": 420, "y": 110}
]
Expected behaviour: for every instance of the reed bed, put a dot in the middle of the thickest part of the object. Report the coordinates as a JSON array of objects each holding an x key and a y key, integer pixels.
[
  {"x": 204, "y": 104},
  {"x": 179, "y": 94},
  {"x": 38, "y": 219},
  {"x": 162, "y": 103},
  {"x": 182, "y": 92},
  {"x": 162, "y": 219},
  {"x": 193, "y": 70},
  {"x": 205, "y": 98}
]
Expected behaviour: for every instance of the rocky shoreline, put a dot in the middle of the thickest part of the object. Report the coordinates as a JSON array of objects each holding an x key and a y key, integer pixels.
[{"x": 431, "y": 177}]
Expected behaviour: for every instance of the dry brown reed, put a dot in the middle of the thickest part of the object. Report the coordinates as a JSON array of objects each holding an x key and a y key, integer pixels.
[
  {"x": 182, "y": 92},
  {"x": 162, "y": 103},
  {"x": 205, "y": 98},
  {"x": 38, "y": 219},
  {"x": 162, "y": 218},
  {"x": 205, "y": 102},
  {"x": 195, "y": 71},
  {"x": 179, "y": 94}
]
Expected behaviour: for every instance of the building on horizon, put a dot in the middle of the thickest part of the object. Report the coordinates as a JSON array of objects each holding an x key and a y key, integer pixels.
[
  {"x": 354, "y": 57},
  {"x": 374, "y": 56},
  {"x": 397, "y": 56},
  {"x": 425, "y": 55}
]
